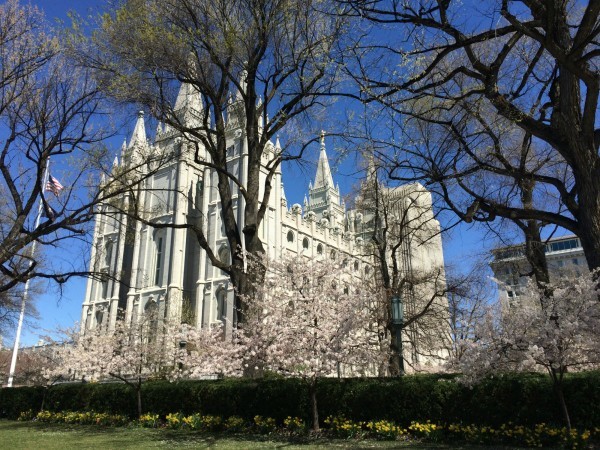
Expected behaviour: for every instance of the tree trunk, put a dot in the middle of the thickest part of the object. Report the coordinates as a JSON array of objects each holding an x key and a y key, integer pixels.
[
  {"x": 139, "y": 398},
  {"x": 589, "y": 232},
  {"x": 312, "y": 388},
  {"x": 558, "y": 388}
]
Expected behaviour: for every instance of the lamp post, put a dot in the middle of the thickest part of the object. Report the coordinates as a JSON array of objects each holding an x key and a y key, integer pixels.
[{"x": 397, "y": 322}]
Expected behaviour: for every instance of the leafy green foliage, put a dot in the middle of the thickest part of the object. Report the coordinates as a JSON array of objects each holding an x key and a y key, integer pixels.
[{"x": 524, "y": 399}]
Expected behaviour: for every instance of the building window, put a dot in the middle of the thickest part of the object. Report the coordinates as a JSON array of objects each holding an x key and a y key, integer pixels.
[
  {"x": 99, "y": 318},
  {"x": 151, "y": 313},
  {"x": 104, "y": 287},
  {"x": 222, "y": 305},
  {"x": 159, "y": 261},
  {"x": 356, "y": 266},
  {"x": 320, "y": 249},
  {"x": 109, "y": 253},
  {"x": 332, "y": 254},
  {"x": 305, "y": 243},
  {"x": 224, "y": 256},
  {"x": 290, "y": 237}
]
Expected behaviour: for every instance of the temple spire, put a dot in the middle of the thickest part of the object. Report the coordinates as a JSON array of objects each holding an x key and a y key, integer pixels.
[
  {"x": 323, "y": 177},
  {"x": 188, "y": 99},
  {"x": 139, "y": 132}
]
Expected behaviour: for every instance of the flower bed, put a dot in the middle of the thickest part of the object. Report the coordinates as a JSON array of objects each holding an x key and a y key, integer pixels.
[{"x": 541, "y": 435}]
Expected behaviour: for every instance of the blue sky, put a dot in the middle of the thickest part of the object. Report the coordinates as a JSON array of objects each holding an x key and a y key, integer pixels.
[{"x": 62, "y": 309}]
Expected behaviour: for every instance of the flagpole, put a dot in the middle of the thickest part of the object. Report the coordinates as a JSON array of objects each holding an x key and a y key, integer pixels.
[{"x": 13, "y": 362}]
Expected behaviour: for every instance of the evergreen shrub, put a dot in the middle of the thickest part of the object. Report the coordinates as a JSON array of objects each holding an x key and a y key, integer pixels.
[{"x": 524, "y": 399}]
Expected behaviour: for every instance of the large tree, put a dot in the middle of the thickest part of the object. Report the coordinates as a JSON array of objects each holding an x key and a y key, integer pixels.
[
  {"x": 47, "y": 110},
  {"x": 530, "y": 66},
  {"x": 559, "y": 337},
  {"x": 152, "y": 348},
  {"x": 255, "y": 66},
  {"x": 402, "y": 236},
  {"x": 311, "y": 319}
]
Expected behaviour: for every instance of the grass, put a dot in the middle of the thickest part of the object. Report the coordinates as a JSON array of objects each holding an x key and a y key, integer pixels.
[{"x": 38, "y": 436}]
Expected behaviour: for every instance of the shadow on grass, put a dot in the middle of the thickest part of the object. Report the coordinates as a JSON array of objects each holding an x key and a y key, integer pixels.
[{"x": 287, "y": 440}]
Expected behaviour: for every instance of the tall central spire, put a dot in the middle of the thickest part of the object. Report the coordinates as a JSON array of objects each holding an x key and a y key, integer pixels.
[{"x": 323, "y": 177}]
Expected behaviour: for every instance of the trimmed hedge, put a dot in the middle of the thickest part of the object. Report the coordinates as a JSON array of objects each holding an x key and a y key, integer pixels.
[{"x": 525, "y": 399}]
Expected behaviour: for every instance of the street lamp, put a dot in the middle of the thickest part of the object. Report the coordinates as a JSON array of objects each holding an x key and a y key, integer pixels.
[{"x": 397, "y": 323}]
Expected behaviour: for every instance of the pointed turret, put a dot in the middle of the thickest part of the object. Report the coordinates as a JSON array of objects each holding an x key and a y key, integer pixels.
[
  {"x": 323, "y": 177},
  {"x": 261, "y": 122},
  {"x": 188, "y": 106},
  {"x": 139, "y": 132},
  {"x": 371, "y": 169},
  {"x": 323, "y": 196},
  {"x": 283, "y": 198},
  {"x": 123, "y": 150},
  {"x": 159, "y": 129},
  {"x": 277, "y": 144},
  {"x": 242, "y": 84},
  {"x": 188, "y": 98},
  {"x": 116, "y": 162}
]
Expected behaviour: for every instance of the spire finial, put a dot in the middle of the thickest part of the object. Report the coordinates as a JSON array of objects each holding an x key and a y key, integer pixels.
[
  {"x": 139, "y": 132},
  {"x": 322, "y": 138}
]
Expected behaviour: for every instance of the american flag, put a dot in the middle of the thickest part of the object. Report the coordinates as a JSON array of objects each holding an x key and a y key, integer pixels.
[{"x": 53, "y": 185}]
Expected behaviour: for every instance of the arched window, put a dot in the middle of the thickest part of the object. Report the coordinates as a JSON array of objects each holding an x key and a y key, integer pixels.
[
  {"x": 367, "y": 270},
  {"x": 320, "y": 249},
  {"x": 305, "y": 243},
  {"x": 224, "y": 256},
  {"x": 221, "y": 305},
  {"x": 333, "y": 255},
  {"x": 290, "y": 237},
  {"x": 109, "y": 253},
  {"x": 159, "y": 263},
  {"x": 356, "y": 266},
  {"x": 99, "y": 317},
  {"x": 151, "y": 313}
]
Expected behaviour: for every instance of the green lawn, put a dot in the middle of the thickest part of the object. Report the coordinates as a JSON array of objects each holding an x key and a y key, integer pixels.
[{"x": 37, "y": 436}]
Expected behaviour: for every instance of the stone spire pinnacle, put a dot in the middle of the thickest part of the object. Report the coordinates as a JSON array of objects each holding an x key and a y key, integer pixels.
[
  {"x": 139, "y": 132},
  {"x": 243, "y": 85},
  {"x": 188, "y": 99},
  {"x": 123, "y": 150},
  {"x": 323, "y": 177}
]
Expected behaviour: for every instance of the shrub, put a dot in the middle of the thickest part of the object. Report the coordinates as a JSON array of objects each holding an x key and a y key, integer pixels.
[
  {"x": 344, "y": 428},
  {"x": 149, "y": 421},
  {"x": 264, "y": 425},
  {"x": 385, "y": 430},
  {"x": 294, "y": 424},
  {"x": 26, "y": 416},
  {"x": 525, "y": 399},
  {"x": 13, "y": 401},
  {"x": 83, "y": 418},
  {"x": 235, "y": 424},
  {"x": 175, "y": 421}
]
